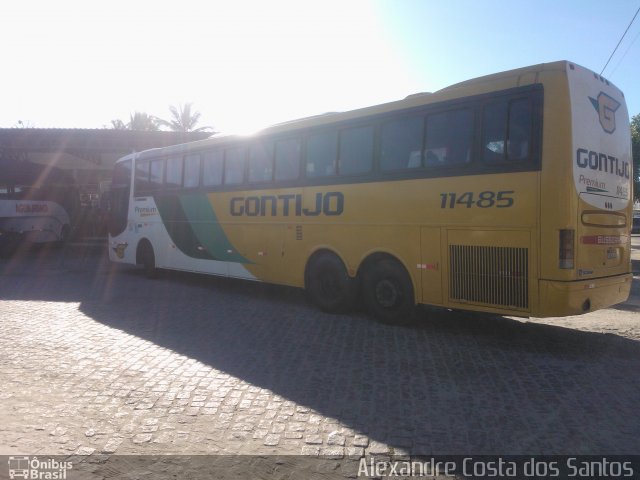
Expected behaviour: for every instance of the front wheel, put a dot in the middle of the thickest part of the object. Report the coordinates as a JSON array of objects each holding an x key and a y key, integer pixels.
[
  {"x": 148, "y": 260},
  {"x": 387, "y": 292}
]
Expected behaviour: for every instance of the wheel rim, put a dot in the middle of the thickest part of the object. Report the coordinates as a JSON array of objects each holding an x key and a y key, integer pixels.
[{"x": 387, "y": 293}]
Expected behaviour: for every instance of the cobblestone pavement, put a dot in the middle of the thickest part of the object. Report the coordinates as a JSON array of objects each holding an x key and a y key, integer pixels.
[{"x": 98, "y": 359}]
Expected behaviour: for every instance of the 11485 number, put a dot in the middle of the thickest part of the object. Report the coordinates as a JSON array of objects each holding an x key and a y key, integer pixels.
[{"x": 486, "y": 199}]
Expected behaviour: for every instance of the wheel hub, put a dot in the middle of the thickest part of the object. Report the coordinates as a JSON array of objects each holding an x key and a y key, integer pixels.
[{"x": 387, "y": 293}]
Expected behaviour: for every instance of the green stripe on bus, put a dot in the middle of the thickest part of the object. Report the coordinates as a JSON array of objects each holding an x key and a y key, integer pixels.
[{"x": 207, "y": 229}]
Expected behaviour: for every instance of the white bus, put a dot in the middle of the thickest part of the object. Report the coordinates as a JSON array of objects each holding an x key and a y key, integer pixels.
[{"x": 38, "y": 204}]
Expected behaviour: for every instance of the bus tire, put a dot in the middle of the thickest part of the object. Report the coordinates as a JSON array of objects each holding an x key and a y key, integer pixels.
[
  {"x": 148, "y": 259},
  {"x": 387, "y": 292},
  {"x": 328, "y": 284}
]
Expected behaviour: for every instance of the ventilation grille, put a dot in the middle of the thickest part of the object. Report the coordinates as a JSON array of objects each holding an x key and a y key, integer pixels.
[{"x": 489, "y": 275}]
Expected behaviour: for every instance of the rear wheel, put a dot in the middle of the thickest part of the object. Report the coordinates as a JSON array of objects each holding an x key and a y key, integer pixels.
[
  {"x": 387, "y": 292},
  {"x": 328, "y": 284}
]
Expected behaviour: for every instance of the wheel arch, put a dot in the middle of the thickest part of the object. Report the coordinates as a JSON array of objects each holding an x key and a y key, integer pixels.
[
  {"x": 143, "y": 243},
  {"x": 321, "y": 250}
]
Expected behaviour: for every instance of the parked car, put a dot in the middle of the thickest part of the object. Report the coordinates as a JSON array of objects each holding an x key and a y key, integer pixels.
[{"x": 635, "y": 227}]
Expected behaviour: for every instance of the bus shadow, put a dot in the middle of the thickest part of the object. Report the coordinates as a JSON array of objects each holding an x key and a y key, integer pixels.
[{"x": 454, "y": 383}]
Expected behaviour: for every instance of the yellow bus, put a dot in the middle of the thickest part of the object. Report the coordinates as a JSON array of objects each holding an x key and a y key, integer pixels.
[{"x": 509, "y": 193}]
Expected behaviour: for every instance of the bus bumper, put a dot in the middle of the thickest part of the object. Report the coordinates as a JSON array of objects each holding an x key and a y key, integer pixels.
[{"x": 559, "y": 299}]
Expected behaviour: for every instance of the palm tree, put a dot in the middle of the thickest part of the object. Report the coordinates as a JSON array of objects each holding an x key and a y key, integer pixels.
[
  {"x": 184, "y": 120},
  {"x": 144, "y": 122},
  {"x": 138, "y": 121},
  {"x": 118, "y": 124}
]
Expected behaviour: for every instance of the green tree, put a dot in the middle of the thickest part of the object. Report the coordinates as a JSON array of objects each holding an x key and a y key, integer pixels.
[
  {"x": 183, "y": 119},
  {"x": 635, "y": 149},
  {"x": 143, "y": 122},
  {"x": 118, "y": 124},
  {"x": 139, "y": 121}
]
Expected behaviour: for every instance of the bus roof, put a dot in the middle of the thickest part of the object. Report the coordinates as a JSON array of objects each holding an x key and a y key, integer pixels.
[{"x": 465, "y": 88}]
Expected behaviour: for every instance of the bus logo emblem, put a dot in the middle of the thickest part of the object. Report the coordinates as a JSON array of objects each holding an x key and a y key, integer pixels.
[{"x": 606, "y": 108}]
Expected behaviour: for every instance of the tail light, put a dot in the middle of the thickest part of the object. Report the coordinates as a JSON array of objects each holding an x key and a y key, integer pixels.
[{"x": 567, "y": 248}]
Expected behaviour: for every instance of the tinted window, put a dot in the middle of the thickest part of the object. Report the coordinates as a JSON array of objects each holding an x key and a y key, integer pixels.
[
  {"x": 494, "y": 131},
  {"x": 261, "y": 162},
  {"x": 401, "y": 144},
  {"x": 155, "y": 174},
  {"x": 288, "y": 159},
  {"x": 212, "y": 163},
  {"x": 191, "y": 171},
  {"x": 122, "y": 174},
  {"x": 322, "y": 151},
  {"x": 507, "y": 123},
  {"x": 234, "y": 166},
  {"x": 356, "y": 150},
  {"x": 173, "y": 178},
  {"x": 449, "y": 138},
  {"x": 519, "y": 134},
  {"x": 142, "y": 177}
]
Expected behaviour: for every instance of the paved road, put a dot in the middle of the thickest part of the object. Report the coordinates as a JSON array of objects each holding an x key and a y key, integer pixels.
[{"x": 98, "y": 359}]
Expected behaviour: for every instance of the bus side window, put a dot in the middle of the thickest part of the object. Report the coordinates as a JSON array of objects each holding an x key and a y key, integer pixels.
[
  {"x": 401, "y": 144},
  {"x": 234, "y": 163},
  {"x": 519, "y": 134},
  {"x": 173, "y": 177},
  {"x": 322, "y": 153},
  {"x": 261, "y": 162},
  {"x": 507, "y": 131},
  {"x": 142, "y": 178},
  {"x": 356, "y": 151},
  {"x": 449, "y": 138},
  {"x": 156, "y": 173},
  {"x": 288, "y": 159},
  {"x": 212, "y": 164},
  {"x": 191, "y": 171}
]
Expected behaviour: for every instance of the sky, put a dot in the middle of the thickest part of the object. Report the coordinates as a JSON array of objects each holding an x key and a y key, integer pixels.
[{"x": 248, "y": 64}]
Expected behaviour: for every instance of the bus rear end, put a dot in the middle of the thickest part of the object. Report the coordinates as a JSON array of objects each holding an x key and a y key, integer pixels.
[{"x": 594, "y": 247}]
